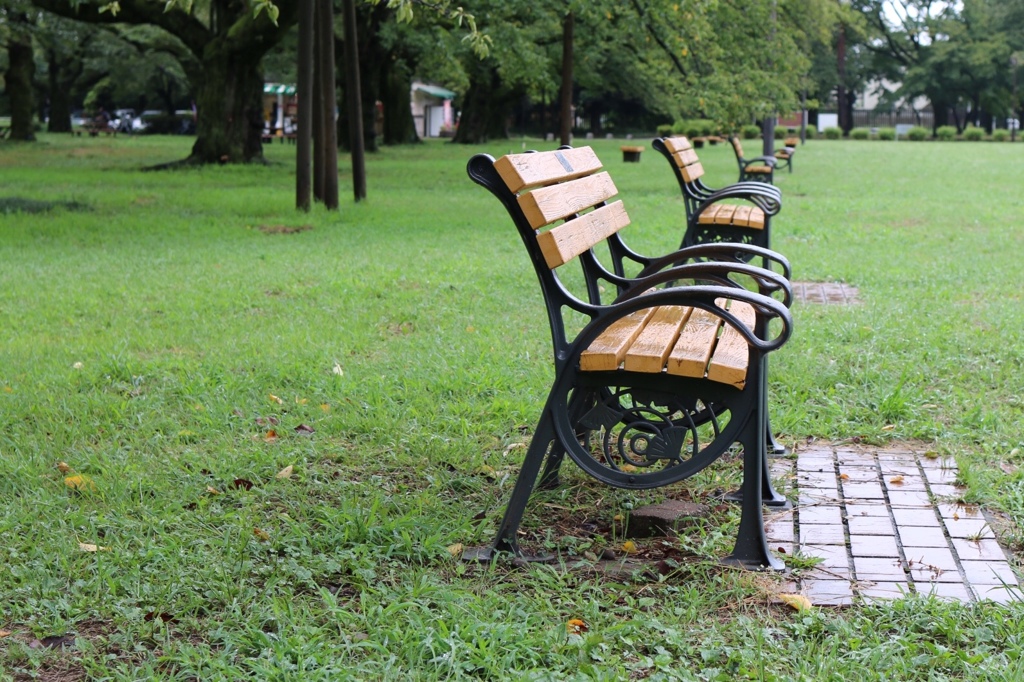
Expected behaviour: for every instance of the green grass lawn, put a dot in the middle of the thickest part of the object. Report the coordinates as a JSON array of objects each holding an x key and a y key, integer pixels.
[{"x": 189, "y": 335}]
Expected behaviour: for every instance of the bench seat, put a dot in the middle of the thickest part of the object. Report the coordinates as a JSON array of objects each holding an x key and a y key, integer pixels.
[
  {"x": 678, "y": 340},
  {"x": 732, "y": 214}
]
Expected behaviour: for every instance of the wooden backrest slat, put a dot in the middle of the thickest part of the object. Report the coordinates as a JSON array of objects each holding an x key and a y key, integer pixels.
[
  {"x": 732, "y": 354},
  {"x": 545, "y": 205},
  {"x": 677, "y": 144},
  {"x": 564, "y": 242},
  {"x": 520, "y": 171},
  {"x": 685, "y": 158},
  {"x": 738, "y": 146}
]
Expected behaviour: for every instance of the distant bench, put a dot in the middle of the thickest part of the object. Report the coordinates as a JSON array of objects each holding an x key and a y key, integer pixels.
[
  {"x": 661, "y": 382},
  {"x": 94, "y": 129}
]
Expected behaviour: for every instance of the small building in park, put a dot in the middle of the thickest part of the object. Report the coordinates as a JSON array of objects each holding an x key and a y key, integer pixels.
[
  {"x": 279, "y": 103},
  {"x": 432, "y": 110}
]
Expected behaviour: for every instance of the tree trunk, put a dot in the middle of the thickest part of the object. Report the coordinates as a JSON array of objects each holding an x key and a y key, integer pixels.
[
  {"x": 565, "y": 115},
  {"x": 60, "y": 96},
  {"x": 21, "y": 69},
  {"x": 229, "y": 106},
  {"x": 399, "y": 126},
  {"x": 485, "y": 107}
]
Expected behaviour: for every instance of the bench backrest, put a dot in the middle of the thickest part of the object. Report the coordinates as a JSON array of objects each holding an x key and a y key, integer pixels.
[
  {"x": 737, "y": 146},
  {"x": 684, "y": 157},
  {"x": 563, "y": 196}
]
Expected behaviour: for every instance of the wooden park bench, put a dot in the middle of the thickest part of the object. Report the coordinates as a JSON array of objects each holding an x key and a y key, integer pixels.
[
  {"x": 758, "y": 169},
  {"x": 738, "y": 213},
  {"x": 785, "y": 155},
  {"x": 94, "y": 129},
  {"x": 662, "y": 380}
]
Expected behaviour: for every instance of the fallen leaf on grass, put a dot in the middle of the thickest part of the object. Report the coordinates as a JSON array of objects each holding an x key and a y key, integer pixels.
[
  {"x": 159, "y": 615},
  {"x": 305, "y": 428},
  {"x": 629, "y": 547},
  {"x": 276, "y": 399},
  {"x": 52, "y": 642},
  {"x": 888, "y": 427},
  {"x": 86, "y": 547},
  {"x": 261, "y": 534},
  {"x": 243, "y": 483},
  {"x": 5, "y": 633},
  {"x": 1007, "y": 468},
  {"x": 284, "y": 473},
  {"x": 213, "y": 491},
  {"x": 487, "y": 471},
  {"x": 797, "y": 601},
  {"x": 80, "y": 483},
  {"x": 456, "y": 549},
  {"x": 63, "y": 467},
  {"x": 271, "y": 435},
  {"x": 263, "y": 421},
  {"x": 325, "y": 407},
  {"x": 576, "y": 626},
  {"x": 338, "y": 370}
]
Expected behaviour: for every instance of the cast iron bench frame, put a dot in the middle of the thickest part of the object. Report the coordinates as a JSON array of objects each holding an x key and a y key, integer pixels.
[
  {"x": 784, "y": 156},
  {"x": 628, "y": 426},
  {"x": 756, "y": 169}
]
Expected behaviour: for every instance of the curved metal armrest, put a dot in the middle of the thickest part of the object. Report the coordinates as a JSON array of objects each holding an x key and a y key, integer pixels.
[
  {"x": 699, "y": 296},
  {"x": 769, "y": 202},
  {"x": 766, "y": 160},
  {"x": 768, "y": 282},
  {"x": 729, "y": 252}
]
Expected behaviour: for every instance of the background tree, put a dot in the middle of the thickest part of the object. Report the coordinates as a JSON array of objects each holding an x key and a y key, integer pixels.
[{"x": 16, "y": 35}]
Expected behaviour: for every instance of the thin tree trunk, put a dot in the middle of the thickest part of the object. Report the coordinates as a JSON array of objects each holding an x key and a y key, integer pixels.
[
  {"x": 328, "y": 104},
  {"x": 303, "y": 137},
  {"x": 565, "y": 117},
  {"x": 60, "y": 96},
  {"x": 353, "y": 93}
]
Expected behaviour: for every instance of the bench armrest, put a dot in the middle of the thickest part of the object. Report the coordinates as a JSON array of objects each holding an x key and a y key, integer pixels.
[
  {"x": 728, "y": 252},
  {"x": 767, "y": 201},
  {"x": 766, "y": 160},
  {"x": 720, "y": 272}
]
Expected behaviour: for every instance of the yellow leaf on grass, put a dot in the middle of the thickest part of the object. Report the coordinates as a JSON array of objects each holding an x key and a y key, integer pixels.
[
  {"x": 325, "y": 407},
  {"x": 629, "y": 547},
  {"x": 86, "y": 547},
  {"x": 456, "y": 549},
  {"x": 576, "y": 626},
  {"x": 63, "y": 467},
  {"x": 301, "y": 401},
  {"x": 896, "y": 480},
  {"x": 797, "y": 601},
  {"x": 275, "y": 399},
  {"x": 80, "y": 482},
  {"x": 261, "y": 534},
  {"x": 628, "y": 468},
  {"x": 284, "y": 473},
  {"x": 5, "y": 633},
  {"x": 213, "y": 491}
]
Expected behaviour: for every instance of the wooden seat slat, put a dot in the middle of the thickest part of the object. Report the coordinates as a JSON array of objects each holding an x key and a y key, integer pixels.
[
  {"x": 520, "y": 171},
  {"x": 725, "y": 213},
  {"x": 545, "y": 205},
  {"x": 742, "y": 216},
  {"x": 564, "y": 242},
  {"x": 732, "y": 355},
  {"x": 609, "y": 349},
  {"x": 707, "y": 216},
  {"x": 653, "y": 345},
  {"x": 756, "y": 218},
  {"x": 690, "y": 356},
  {"x": 759, "y": 169}
]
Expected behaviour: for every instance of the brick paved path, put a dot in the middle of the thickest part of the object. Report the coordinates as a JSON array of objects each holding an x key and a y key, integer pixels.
[{"x": 885, "y": 525}]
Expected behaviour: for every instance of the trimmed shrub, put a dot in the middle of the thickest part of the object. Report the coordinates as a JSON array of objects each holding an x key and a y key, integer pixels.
[
  {"x": 1000, "y": 135},
  {"x": 973, "y": 134},
  {"x": 917, "y": 134},
  {"x": 811, "y": 133},
  {"x": 707, "y": 127},
  {"x": 946, "y": 133},
  {"x": 780, "y": 133},
  {"x": 750, "y": 132},
  {"x": 833, "y": 133},
  {"x": 860, "y": 133},
  {"x": 665, "y": 129},
  {"x": 887, "y": 134}
]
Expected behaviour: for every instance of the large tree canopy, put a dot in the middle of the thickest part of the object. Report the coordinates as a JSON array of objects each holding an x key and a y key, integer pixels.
[{"x": 221, "y": 45}]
